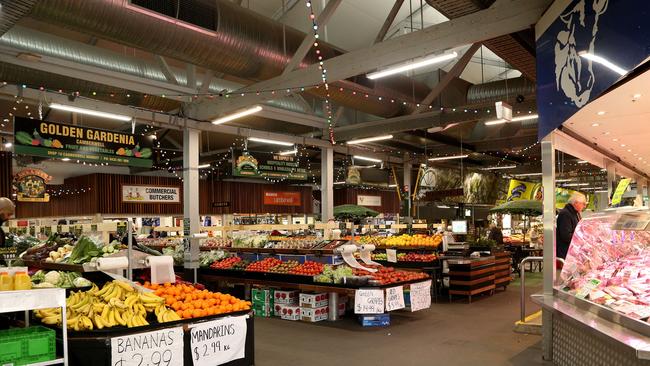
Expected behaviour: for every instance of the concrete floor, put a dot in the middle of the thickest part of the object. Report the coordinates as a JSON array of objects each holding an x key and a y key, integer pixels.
[{"x": 447, "y": 334}]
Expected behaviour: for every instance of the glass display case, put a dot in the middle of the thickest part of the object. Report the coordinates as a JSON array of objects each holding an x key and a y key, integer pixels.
[{"x": 607, "y": 269}]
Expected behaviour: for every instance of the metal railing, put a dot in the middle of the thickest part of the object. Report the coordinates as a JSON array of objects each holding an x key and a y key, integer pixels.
[{"x": 522, "y": 277}]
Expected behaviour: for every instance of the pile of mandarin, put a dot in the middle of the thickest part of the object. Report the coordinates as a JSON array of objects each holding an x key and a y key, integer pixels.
[{"x": 190, "y": 302}]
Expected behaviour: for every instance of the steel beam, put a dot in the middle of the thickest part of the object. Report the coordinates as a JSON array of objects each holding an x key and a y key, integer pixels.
[
  {"x": 502, "y": 18},
  {"x": 389, "y": 21},
  {"x": 291, "y": 117},
  {"x": 309, "y": 39},
  {"x": 164, "y": 66},
  {"x": 455, "y": 72}
]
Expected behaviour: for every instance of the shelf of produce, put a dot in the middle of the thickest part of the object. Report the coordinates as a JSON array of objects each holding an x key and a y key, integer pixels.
[
  {"x": 407, "y": 264},
  {"x": 408, "y": 248},
  {"x": 280, "y": 251}
]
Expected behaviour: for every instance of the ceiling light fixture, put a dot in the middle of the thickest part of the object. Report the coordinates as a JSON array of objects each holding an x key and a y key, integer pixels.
[
  {"x": 8, "y": 145},
  {"x": 367, "y": 159},
  {"x": 563, "y": 180},
  {"x": 369, "y": 139},
  {"x": 528, "y": 174},
  {"x": 595, "y": 124},
  {"x": 203, "y": 166},
  {"x": 90, "y": 112},
  {"x": 337, "y": 183},
  {"x": 288, "y": 152},
  {"x": 412, "y": 65},
  {"x": 65, "y": 159},
  {"x": 583, "y": 162},
  {"x": 443, "y": 206},
  {"x": 601, "y": 113},
  {"x": 516, "y": 119},
  {"x": 392, "y": 185},
  {"x": 448, "y": 157},
  {"x": 500, "y": 167},
  {"x": 576, "y": 184},
  {"x": 272, "y": 142},
  {"x": 234, "y": 116},
  {"x": 603, "y": 61}
]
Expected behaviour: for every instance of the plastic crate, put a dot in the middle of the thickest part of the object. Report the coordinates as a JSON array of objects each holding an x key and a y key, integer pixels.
[{"x": 22, "y": 346}]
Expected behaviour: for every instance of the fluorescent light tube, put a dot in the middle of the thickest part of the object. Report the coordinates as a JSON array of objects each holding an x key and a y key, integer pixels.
[
  {"x": 448, "y": 157},
  {"x": 528, "y": 174},
  {"x": 369, "y": 139},
  {"x": 337, "y": 183},
  {"x": 366, "y": 159},
  {"x": 8, "y": 144},
  {"x": 288, "y": 152},
  {"x": 237, "y": 115},
  {"x": 603, "y": 61},
  {"x": 500, "y": 167},
  {"x": 90, "y": 112},
  {"x": 272, "y": 142},
  {"x": 582, "y": 162},
  {"x": 392, "y": 185},
  {"x": 413, "y": 65},
  {"x": 443, "y": 206},
  {"x": 65, "y": 159},
  {"x": 516, "y": 119},
  {"x": 576, "y": 184},
  {"x": 203, "y": 166},
  {"x": 563, "y": 180}
]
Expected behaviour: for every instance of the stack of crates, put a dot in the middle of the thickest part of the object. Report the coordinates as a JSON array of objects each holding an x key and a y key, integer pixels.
[
  {"x": 262, "y": 300},
  {"x": 22, "y": 346}
]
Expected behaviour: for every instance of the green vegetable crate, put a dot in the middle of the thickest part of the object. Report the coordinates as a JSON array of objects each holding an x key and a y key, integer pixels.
[{"x": 22, "y": 346}]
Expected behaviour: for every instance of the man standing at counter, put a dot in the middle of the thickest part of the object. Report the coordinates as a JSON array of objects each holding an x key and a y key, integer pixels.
[
  {"x": 567, "y": 220},
  {"x": 7, "y": 209}
]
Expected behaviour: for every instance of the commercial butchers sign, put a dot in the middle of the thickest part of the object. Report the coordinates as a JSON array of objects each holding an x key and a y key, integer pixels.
[
  {"x": 268, "y": 165},
  {"x": 583, "y": 51},
  {"x": 60, "y": 141},
  {"x": 150, "y": 194}
]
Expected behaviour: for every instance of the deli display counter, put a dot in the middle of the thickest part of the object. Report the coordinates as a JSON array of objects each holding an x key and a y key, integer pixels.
[{"x": 600, "y": 306}]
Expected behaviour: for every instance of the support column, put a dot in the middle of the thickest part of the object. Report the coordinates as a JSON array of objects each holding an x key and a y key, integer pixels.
[
  {"x": 646, "y": 191},
  {"x": 327, "y": 184},
  {"x": 611, "y": 179},
  {"x": 191, "y": 198},
  {"x": 548, "y": 183},
  {"x": 407, "y": 182},
  {"x": 639, "y": 190}
]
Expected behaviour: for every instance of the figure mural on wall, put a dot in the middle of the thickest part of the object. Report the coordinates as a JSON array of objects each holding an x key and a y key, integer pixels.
[{"x": 573, "y": 74}]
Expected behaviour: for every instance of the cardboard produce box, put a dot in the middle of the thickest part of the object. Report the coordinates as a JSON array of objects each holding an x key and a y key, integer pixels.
[
  {"x": 313, "y": 300},
  {"x": 375, "y": 320},
  {"x": 262, "y": 295},
  {"x": 285, "y": 297},
  {"x": 290, "y": 312},
  {"x": 263, "y": 310},
  {"x": 314, "y": 314}
]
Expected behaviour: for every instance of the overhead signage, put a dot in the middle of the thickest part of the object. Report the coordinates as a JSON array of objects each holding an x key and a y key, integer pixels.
[
  {"x": 60, "y": 141},
  {"x": 566, "y": 79},
  {"x": 369, "y": 301},
  {"x": 31, "y": 185},
  {"x": 267, "y": 165},
  {"x": 519, "y": 190},
  {"x": 160, "y": 347},
  {"x": 373, "y": 201},
  {"x": 620, "y": 190},
  {"x": 221, "y": 204},
  {"x": 282, "y": 198},
  {"x": 353, "y": 176},
  {"x": 150, "y": 194},
  {"x": 219, "y": 341},
  {"x": 420, "y": 295}
]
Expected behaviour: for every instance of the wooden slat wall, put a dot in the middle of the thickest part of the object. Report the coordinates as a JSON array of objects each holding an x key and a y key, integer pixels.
[
  {"x": 6, "y": 175},
  {"x": 65, "y": 205},
  {"x": 105, "y": 198},
  {"x": 348, "y": 196}
]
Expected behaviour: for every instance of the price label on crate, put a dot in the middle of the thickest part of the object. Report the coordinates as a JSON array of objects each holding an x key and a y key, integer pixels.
[
  {"x": 369, "y": 301},
  {"x": 218, "y": 341},
  {"x": 391, "y": 255},
  {"x": 395, "y": 298},
  {"x": 159, "y": 348},
  {"x": 420, "y": 295}
]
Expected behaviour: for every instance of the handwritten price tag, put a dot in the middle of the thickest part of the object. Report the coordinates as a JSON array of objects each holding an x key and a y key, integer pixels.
[
  {"x": 395, "y": 298},
  {"x": 420, "y": 295},
  {"x": 391, "y": 255},
  {"x": 369, "y": 301},
  {"x": 159, "y": 348},
  {"x": 218, "y": 341}
]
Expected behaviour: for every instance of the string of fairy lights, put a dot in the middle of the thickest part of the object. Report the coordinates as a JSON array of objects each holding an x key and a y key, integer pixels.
[{"x": 64, "y": 191}]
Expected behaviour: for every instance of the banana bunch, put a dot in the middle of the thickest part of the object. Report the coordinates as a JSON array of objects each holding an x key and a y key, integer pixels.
[
  {"x": 117, "y": 303},
  {"x": 164, "y": 315}
]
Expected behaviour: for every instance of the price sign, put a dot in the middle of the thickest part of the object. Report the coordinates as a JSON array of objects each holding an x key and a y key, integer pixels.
[
  {"x": 218, "y": 341},
  {"x": 632, "y": 221},
  {"x": 391, "y": 255},
  {"x": 420, "y": 295},
  {"x": 395, "y": 298},
  {"x": 159, "y": 348},
  {"x": 589, "y": 286},
  {"x": 369, "y": 301}
]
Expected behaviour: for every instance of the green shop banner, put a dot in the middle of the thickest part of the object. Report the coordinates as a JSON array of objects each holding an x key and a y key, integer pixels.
[
  {"x": 253, "y": 164},
  {"x": 58, "y": 141}
]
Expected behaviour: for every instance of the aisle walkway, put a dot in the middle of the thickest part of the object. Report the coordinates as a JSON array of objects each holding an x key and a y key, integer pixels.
[{"x": 454, "y": 334}]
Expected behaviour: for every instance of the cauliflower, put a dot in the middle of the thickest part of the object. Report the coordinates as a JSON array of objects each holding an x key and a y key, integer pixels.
[
  {"x": 52, "y": 277},
  {"x": 81, "y": 282}
]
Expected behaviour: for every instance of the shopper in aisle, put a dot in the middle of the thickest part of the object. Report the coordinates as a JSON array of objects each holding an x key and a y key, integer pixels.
[
  {"x": 495, "y": 234},
  {"x": 7, "y": 209},
  {"x": 567, "y": 220}
]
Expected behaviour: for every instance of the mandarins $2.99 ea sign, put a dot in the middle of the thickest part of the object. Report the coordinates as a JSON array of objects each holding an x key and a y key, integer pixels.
[{"x": 61, "y": 141}]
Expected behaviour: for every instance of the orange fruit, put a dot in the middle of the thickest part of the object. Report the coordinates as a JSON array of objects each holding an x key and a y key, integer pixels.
[
  {"x": 167, "y": 284},
  {"x": 187, "y": 314},
  {"x": 196, "y": 313},
  {"x": 169, "y": 300}
]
